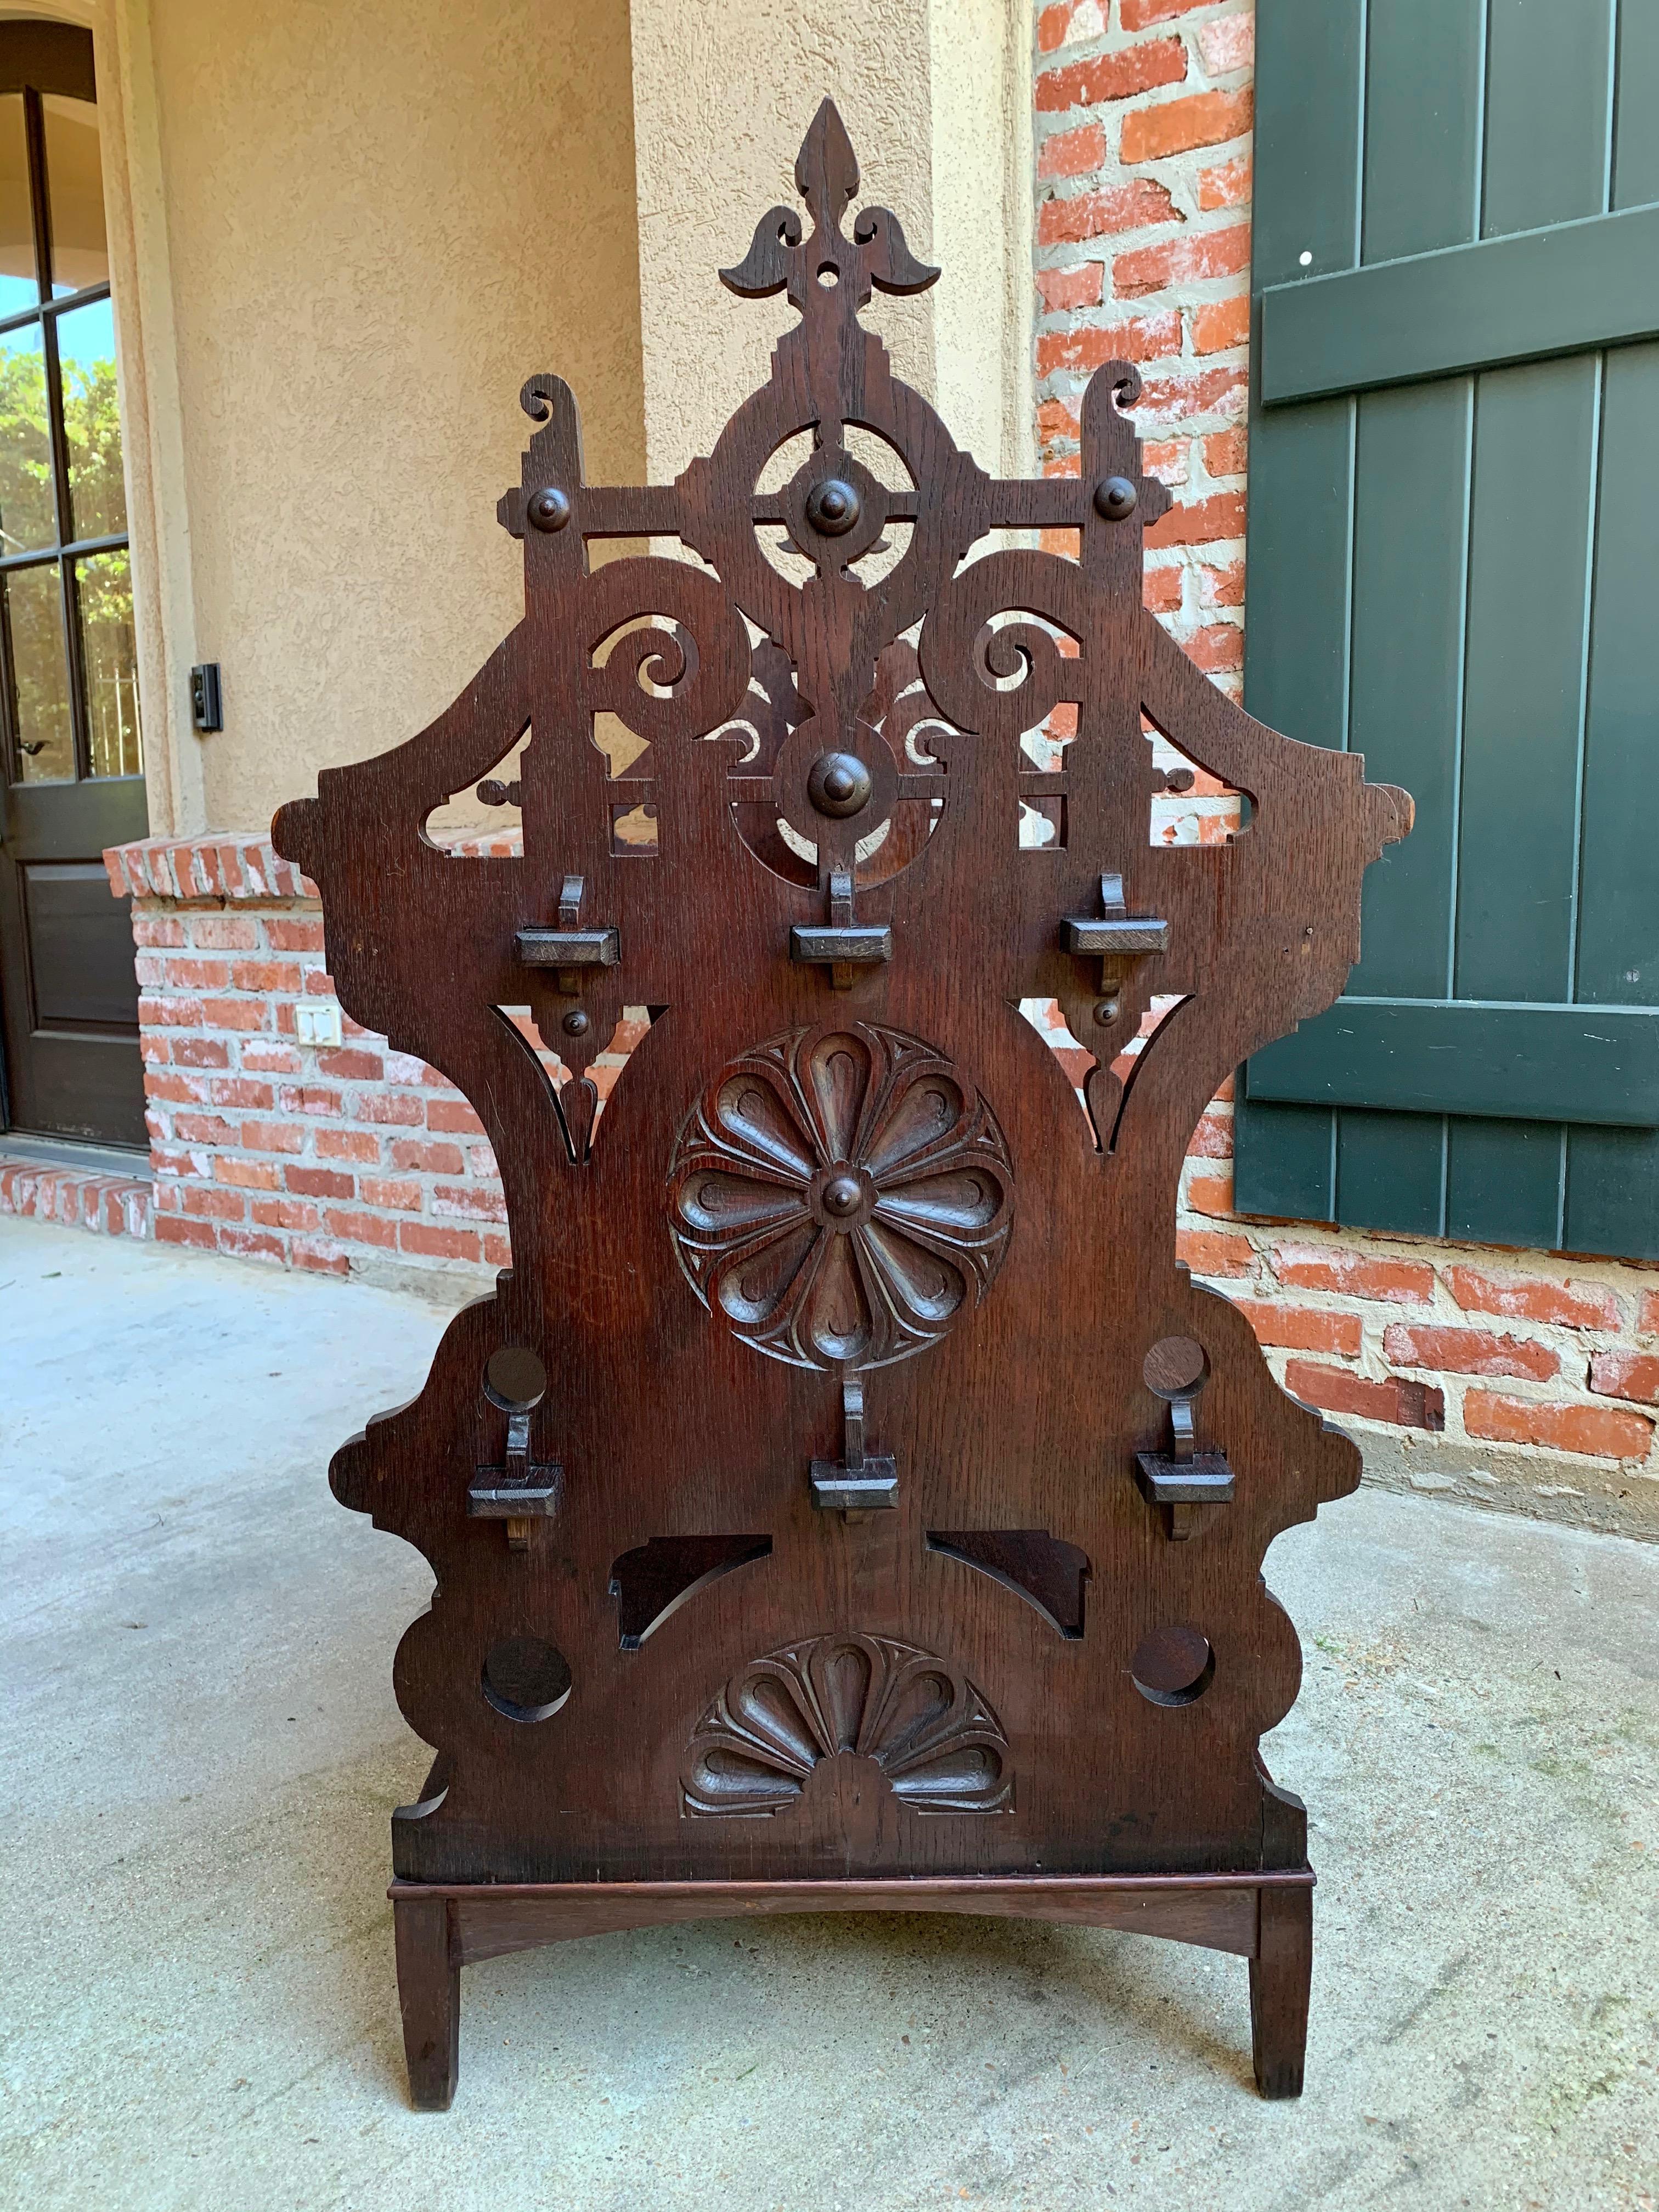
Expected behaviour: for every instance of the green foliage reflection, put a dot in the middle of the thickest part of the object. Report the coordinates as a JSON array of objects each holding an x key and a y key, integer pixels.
[{"x": 92, "y": 426}]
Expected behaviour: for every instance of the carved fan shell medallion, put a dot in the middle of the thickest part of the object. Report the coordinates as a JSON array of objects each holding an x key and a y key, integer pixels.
[
  {"x": 840, "y": 1195},
  {"x": 932, "y": 1733}
]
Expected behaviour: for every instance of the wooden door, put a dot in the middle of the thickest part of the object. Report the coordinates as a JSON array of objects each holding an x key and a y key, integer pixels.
[
  {"x": 73, "y": 780},
  {"x": 1454, "y": 546}
]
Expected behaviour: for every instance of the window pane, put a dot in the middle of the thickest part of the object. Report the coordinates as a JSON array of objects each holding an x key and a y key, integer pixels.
[
  {"x": 86, "y": 353},
  {"x": 112, "y": 663},
  {"x": 34, "y": 612},
  {"x": 74, "y": 189},
  {"x": 28, "y": 514},
  {"x": 18, "y": 289}
]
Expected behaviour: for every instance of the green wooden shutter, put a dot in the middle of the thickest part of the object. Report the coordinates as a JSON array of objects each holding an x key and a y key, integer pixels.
[{"x": 1454, "y": 569}]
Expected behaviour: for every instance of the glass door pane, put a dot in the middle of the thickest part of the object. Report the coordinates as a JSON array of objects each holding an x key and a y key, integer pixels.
[
  {"x": 109, "y": 657},
  {"x": 74, "y": 191},
  {"x": 34, "y": 620},
  {"x": 29, "y": 507},
  {"x": 92, "y": 424}
]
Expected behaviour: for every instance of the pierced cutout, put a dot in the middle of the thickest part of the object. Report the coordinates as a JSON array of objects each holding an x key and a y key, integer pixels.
[
  {"x": 898, "y": 712},
  {"x": 1046, "y": 1572},
  {"x": 875, "y": 566},
  {"x": 1046, "y": 1019},
  {"x": 1190, "y": 806},
  {"x": 1173, "y": 1666},
  {"x": 657, "y": 1579},
  {"x": 485, "y": 822},
  {"x": 522, "y": 1022},
  {"x": 1042, "y": 820},
  {"x": 1102, "y": 1093},
  {"x": 655, "y": 665},
  {"x": 580, "y": 1100},
  {"x": 1044, "y": 784},
  {"x": 785, "y": 462},
  {"x": 634, "y": 829},
  {"x": 623, "y": 749},
  {"x": 886, "y": 462},
  {"x": 901, "y": 711},
  {"x": 1112, "y": 1095},
  {"x": 525, "y": 1678}
]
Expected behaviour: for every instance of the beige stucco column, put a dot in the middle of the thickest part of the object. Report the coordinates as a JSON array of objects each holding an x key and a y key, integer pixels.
[
  {"x": 342, "y": 239},
  {"x": 936, "y": 97}
]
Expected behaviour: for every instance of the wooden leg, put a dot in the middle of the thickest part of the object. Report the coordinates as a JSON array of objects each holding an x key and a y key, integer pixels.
[
  {"x": 430, "y": 1997},
  {"x": 1280, "y": 1974}
]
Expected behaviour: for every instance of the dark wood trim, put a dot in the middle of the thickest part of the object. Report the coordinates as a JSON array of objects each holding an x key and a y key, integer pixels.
[
  {"x": 1218, "y": 1910},
  {"x": 1281, "y": 1976},
  {"x": 41, "y": 56},
  {"x": 1265, "y": 1918}
]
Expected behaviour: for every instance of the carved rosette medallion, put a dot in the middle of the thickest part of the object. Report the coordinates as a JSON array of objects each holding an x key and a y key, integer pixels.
[
  {"x": 930, "y": 1731},
  {"x": 840, "y": 1195}
]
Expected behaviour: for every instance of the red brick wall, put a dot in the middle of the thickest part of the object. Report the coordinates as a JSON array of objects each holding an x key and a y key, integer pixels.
[
  {"x": 1521, "y": 1378},
  {"x": 338, "y": 1159}
]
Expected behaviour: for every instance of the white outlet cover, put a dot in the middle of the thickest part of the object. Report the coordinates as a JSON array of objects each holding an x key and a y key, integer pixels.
[{"x": 318, "y": 1022}]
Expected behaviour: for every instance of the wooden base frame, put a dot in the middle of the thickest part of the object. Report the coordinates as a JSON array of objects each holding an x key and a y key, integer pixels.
[{"x": 1265, "y": 1918}]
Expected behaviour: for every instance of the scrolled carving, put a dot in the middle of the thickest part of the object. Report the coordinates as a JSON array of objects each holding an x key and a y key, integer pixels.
[
  {"x": 931, "y": 1731},
  {"x": 839, "y": 1195},
  {"x": 965, "y": 661},
  {"x": 704, "y": 684}
]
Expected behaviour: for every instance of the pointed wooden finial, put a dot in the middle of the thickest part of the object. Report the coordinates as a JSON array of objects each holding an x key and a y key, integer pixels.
[{"x": 826, "y": 167}]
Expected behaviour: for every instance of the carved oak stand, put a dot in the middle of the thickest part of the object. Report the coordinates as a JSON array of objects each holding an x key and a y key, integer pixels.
[{"x": 845, "y": 1502}]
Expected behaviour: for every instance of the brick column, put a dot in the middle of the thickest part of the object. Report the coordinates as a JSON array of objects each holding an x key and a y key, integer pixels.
[{"x": 343, "y": 1158}]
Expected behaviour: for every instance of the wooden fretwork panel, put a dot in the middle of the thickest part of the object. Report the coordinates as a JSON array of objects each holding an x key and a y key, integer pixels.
[{"x": 764, "y": 1495}]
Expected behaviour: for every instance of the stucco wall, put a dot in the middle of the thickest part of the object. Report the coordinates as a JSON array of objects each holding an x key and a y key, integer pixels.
[
  {"x": 378, "y": 222},
  {"x": 935, "y": 95},
  {"x": 344, "y": 235}
]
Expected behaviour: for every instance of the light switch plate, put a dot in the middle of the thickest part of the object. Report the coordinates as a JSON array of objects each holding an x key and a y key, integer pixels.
[{"x": 318, "y": 1022}]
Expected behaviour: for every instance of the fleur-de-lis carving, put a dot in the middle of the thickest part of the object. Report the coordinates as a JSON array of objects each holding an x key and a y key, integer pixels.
[{"x": 826, "y": 177}]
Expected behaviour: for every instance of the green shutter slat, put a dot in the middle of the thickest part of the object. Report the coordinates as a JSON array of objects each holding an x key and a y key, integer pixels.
[
  {"x": 1308, "y": 97},
  {"x": 1523, "y": 689},
  {"x": 1636, "y": 142},
  {"x": 1389, "y": 1171},
  {"x": 1504, "y": 1181},
  {"x": 1295, "y": 672},
  {"x": 1618, "y": 899},
  {"x": 1516, "y": 1063},
  {"x": 1423, "y": 72},
  {"x": 1411, "y": 480},
  {"x": 1307, "y": 137},
  {"x": 1612, "y": 1193},
  {"x": 1579, "y": 285},
  {"x": 1547, "y": 123},
  {"x": 1282, "y": 1160}
]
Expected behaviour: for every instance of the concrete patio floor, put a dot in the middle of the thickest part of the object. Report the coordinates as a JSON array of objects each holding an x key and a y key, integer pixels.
[{"x": 201, "y": 1750}]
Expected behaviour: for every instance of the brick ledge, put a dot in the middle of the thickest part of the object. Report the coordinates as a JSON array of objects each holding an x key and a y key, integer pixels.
[
  {"x": 222, "y": 864},
  {"x": 76, "y": 1198},
  {"x": 232, "y": 864}
]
